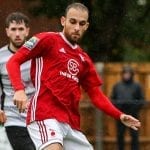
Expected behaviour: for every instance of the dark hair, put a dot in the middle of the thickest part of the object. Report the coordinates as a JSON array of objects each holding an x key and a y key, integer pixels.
[
  {"x": 76, "y": 6},
  {"x": 18, "y": 17}
]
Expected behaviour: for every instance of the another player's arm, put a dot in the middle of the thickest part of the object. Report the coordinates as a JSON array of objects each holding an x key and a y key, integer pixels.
[
  {"x": 2, "y": 117},
  {"x": 25, "y": 53},
  {"x": 104, "y": 104}
]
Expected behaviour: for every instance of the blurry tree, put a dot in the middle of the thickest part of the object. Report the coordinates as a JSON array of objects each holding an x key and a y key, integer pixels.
[
  {"x": 119, "y": 29},
  {"x": 50, "y": 8}
]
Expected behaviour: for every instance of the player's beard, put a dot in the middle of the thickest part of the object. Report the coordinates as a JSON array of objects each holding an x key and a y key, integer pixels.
[
  {"x": 71, "y": 38},
  {"x": 17, "y": 44}
]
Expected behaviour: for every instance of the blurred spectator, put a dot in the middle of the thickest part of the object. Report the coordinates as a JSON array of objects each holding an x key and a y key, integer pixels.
[{"x": 127, "y": 95}]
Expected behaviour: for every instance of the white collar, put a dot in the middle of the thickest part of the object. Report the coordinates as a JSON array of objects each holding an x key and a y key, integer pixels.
[{"x": 65, "y": 39}]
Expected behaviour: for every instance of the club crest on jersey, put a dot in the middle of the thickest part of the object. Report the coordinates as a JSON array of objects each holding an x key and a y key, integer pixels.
[{"x": 31, "y": 43}]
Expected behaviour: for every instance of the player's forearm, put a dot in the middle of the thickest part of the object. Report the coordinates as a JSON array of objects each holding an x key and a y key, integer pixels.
[
  {"x": 13, "y": 68},
  {"x": 103, "y": 103}
]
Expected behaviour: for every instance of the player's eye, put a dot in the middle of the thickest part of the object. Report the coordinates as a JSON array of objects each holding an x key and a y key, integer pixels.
[
  {"x": 13, "y": 29},
  {"x": 73, "y": 21},
  {"x": 82, "y": 23},
  {"x": 21, "y": 29}
]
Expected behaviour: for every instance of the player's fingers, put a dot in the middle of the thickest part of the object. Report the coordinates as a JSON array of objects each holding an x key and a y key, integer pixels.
[
  {"x": 134, "y": 128},
  {"x": 22, "y": 110},
  {"x": 5, "y": 118},
  {"x": 14, "y": 102},
  {"x": 17, "y": 104},
  {"x": 133, "y": 119},
  {"x": 20, "y": 104},
  {"x": 2, "y": 117},
  {"x": 22, "y": 107}
]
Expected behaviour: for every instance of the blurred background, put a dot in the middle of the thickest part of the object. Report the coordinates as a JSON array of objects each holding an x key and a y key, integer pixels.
[{"x": 119, "y": 34}]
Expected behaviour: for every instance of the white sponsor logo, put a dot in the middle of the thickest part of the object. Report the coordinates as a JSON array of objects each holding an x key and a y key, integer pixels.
[
  {"x": 73, "y": 70},
  {"x": 73, "y": 67},
  {"x": 68, "y": 75}
]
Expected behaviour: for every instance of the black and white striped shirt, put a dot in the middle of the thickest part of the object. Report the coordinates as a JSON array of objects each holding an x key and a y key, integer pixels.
[{"x": 14, "y": 118}]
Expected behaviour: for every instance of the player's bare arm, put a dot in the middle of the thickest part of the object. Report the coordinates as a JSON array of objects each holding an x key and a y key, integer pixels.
[{"x": 20, "y": 100}]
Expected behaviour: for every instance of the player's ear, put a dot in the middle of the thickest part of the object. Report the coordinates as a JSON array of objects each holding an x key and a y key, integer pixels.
[
  {"x": 27, "y": 31},
  {"x": 87, "y": 25},
  {"x": 62, "y": 19},
  {"x": 7, "y": 32}
]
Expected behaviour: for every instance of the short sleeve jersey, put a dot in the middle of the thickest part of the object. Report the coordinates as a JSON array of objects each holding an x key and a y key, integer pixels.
[{"x": 58, "y": 71}]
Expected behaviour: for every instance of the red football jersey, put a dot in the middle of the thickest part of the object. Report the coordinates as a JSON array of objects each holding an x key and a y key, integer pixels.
[{"x": 58, "y": 70}]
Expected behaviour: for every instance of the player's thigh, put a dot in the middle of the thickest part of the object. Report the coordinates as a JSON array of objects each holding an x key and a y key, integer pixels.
[
  {"x": 46, "y": 134},
  {"x": 55, "y": 146},
  {"x": 76, "y": 141}
]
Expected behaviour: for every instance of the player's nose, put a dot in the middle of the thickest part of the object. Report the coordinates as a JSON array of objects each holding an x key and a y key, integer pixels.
[{"x": 77, "y": 27}]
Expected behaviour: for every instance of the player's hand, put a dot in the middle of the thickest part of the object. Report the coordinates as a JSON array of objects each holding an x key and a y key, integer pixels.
[
  {"x": 130, "y": 121},
  {"x": 20, "y": 100},
  {"x": 2, "y": 117}
]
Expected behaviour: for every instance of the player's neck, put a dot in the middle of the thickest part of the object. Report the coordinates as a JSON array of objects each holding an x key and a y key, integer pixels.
[
  {"x": 12, "y": 47},
  {"x": 72, "y": 44}
]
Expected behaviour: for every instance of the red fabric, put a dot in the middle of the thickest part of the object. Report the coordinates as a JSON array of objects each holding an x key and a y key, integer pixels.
[
  {"x": 103, "y": 103},
  {"x": 58, "y": 69},
  {"x": 57, "y": 72}
]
